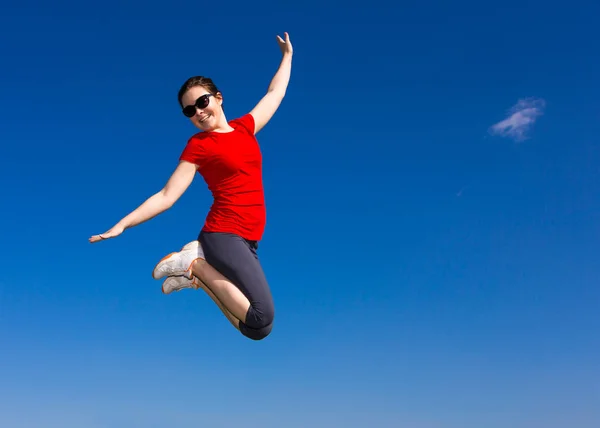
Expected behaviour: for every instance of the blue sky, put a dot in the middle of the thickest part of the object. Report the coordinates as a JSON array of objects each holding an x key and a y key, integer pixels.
[{"x": 433, "y": 191}]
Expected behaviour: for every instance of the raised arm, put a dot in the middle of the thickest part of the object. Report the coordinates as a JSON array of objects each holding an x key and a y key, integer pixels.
[
  {"x": 161, "y": 201},
  {"x": 268, "y": 105}
]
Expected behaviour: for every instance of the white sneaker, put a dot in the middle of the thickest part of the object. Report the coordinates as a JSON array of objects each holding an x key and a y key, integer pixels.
[
  {"x": 178, "y": 283},
  {"x": 179, "y": 264}
]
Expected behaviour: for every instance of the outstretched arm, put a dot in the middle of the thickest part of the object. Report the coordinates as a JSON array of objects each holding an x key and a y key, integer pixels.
[
  {"x": 268, "y": 105},
  {"x": 161, "y": 201}
]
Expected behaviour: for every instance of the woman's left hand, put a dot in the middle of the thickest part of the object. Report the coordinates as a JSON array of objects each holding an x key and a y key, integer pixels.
[{"x": 285, "y": 45}]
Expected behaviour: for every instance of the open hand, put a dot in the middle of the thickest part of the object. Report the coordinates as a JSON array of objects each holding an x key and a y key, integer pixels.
[
  {"x": 285, "y": 45},
  {"x": 114, "y": 231}
]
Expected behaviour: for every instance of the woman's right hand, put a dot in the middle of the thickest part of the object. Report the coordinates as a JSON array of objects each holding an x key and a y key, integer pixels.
[{"x": 113, "y": 232}]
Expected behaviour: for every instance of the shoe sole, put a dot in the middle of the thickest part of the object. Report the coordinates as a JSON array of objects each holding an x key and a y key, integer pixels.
[{"x": 165, "y": 258}]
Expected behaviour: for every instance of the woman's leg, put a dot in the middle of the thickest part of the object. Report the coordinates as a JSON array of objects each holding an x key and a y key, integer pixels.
[
  {"x": 232, "y": 319},
  {"x": 233, "y": 300},
  {"x": 232, "y": 272},
  {"x": 180, "y": 282}
]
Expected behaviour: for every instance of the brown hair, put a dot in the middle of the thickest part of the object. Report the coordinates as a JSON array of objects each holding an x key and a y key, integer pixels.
[{"x": 205, "y": 82}]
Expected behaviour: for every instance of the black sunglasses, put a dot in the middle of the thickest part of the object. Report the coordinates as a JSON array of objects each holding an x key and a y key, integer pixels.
[{"x": 201, "y": 102}]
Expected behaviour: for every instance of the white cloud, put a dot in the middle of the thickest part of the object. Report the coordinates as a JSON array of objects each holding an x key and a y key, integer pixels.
[{"x": 521, "y": 118}]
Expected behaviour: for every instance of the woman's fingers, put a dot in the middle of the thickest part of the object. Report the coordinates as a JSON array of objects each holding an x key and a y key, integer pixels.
[
  {"x": 96, "y": 238},
  {"x": 115, "y": 231}
]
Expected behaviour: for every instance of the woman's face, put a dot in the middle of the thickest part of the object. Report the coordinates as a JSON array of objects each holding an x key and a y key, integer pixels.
[{"x": 207, "y": 108}]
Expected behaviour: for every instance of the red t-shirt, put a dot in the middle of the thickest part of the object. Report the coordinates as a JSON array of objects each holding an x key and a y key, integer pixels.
[{"x": 231, "y": 165}]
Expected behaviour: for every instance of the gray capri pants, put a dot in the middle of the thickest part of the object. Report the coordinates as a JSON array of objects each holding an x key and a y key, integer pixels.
[{"x": 236, "y": 259}]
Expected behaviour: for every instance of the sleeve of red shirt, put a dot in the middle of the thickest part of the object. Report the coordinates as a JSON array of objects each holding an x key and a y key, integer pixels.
[
  {"x": 247, "y": 123},
  {"x": 194, "y": 152}
]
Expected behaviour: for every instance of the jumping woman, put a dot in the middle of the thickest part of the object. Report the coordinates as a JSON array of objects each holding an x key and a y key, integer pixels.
[{"x": 223, "y": 260}]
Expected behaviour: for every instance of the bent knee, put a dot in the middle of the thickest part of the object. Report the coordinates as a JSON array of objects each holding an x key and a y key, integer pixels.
[
  {"x": 260, "y": 318},
  {"x": 257, "y": 333},
  {"x": 259, "y": 322}
]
